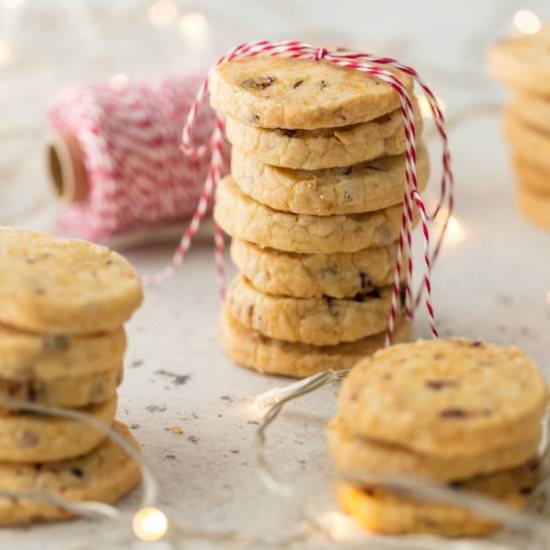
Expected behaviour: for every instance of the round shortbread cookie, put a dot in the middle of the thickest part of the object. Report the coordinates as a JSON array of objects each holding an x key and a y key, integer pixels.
[
  {"x": 274, "y": 92},
  {"x": 355, "y": 189},
  {"x": 523, "y": 61},
  {"x": 324, "y": 148},
  {"x": 360, "y": 457},
  {"x": 35, "y": 438},
  {"x": 106, "y": 475},
  {"x": 56, "y": 286},
  {"x": 533, "y": 176},
  {"x": 71, "y": 390},
  {"x": 527, "y": 142},
  {"x": 382, "y": 511},
  {"x": 314, "y": 275},
  {"x": 531, "y": 109},
  {"x": 318, "y": 321},
  {"x": 251, "y": 349},
  {"x": 445, "y": 397},
  {"x": 243, "y": 218},
  {"x": 32, "y": 357},
  {"x": 535, "y": 205}
]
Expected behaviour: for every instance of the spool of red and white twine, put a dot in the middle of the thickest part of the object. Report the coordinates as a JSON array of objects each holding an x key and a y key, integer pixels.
[
  {"x": 368, "y": 64},
  {"x": 115, "y": 156}
]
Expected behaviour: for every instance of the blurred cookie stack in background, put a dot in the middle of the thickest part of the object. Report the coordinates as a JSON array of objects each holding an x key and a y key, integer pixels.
[
  {"x": 62, "y": 344},
  {"x": 314, "y": 206},
  {"x": 522, "y": 63}
]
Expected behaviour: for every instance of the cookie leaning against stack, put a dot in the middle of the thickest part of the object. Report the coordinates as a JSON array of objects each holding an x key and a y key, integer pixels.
[
  {"x": 62, "y": 344},
  {"x": 466, "y": 413},
  {"x": 314, "y": 205},
  {"x": 521, "y": 63}
]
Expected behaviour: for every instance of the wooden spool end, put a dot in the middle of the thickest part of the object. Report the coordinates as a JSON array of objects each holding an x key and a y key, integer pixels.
[{"x": 66, "y": 168}]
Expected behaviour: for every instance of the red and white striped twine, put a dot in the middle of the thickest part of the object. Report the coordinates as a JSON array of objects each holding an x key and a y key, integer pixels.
[
  {"x": 371, "y": 65},
  {"x": 129, "y": 136}
]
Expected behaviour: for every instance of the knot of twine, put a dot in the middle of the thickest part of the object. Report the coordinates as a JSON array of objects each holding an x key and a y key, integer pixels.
[
  {"x": 321, "y": 54},
  {"x": 371, "y": 65}
]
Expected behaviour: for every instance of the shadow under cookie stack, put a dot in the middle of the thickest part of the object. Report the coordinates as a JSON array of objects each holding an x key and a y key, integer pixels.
[
  {"x": 522, "y": 64},
  {"x": 314, "y": 206},
  {"x": 62, "y": 344}
]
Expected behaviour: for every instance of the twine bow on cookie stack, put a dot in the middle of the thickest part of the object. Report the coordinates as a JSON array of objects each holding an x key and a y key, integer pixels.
[{"x": 370, "y": 65}]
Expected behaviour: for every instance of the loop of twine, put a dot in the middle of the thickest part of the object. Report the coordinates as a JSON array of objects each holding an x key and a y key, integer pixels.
[
  {"x": 321, "y": 54},
  {"x": 371, "y": 65}
]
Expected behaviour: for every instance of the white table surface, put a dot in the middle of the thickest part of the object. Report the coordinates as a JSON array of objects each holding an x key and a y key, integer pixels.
[{"x": 493, "y": 284}]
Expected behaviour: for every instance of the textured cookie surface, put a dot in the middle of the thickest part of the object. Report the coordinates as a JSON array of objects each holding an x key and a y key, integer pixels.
[
  {"x": 105, "y": 475},
  {"x": 314, "y": 275},
  {"x": 271, "y": 92},
  {"x": 527, "y": 141},
  {"x": 533, "y": 110},
  {"x": 243, "y": 218},
  {"x": 533, "y": 176},
  {"x": 28, "y": 438},
  {"x": 382, "y": 511},
  {"x": 325, "y": 148},
  {"x": 358, "y": 456},
  {"x": 354, "y": 189},
  {"x": 53, "y": 286},
  {"x": 445, "y": 397},
  {"x": 29, "y": 357},
  {"x": 535, "y": 205},
  {"x": 71, "y": 390},
  {"x": 319, "y": 321},
  {"x": 253, "y": 350},
  {"x": 523, "y": 61}
]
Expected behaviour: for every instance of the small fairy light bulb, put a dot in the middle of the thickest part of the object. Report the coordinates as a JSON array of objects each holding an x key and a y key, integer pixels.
[
  {"x": 163, "y": 12},
  {"x": 6, "y": 52},
  {"x": 118, "y": 80},
  {"x": 194, "y": 28},
  {"x": 250, "y": 408},
  {"x": 12, "y": 4},
  {"x": 264, "y": 400},
  {"x": 340, "y": 526},
  {"x": 424, "y": 106},
  {"x": 527, "y": 22},
  {"x": 455, "y": 230},
  {"x": 150, "y": 524}
]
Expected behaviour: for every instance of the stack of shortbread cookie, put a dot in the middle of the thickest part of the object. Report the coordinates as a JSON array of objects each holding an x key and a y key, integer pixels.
[
  {"x": 314, "y": 206},
  {"x": 61, "y": 344},
  {"x": 459, "y": 412},
  {"x": 522, "y": 63}
]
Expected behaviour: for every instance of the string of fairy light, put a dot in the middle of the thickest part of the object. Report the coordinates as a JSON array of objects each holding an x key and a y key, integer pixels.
[{"x": 150, "y": 522}]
